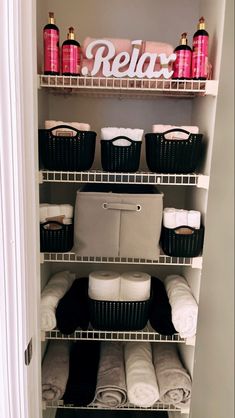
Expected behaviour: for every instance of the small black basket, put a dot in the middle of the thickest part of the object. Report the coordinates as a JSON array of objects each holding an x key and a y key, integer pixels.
[
  {"x": 56, "y": 240},
  {"x": 119, "y": 316},
  {"x": 67, "y": 153},
  {"x": 182, "y": 245},
  {"x": 115, "y": 158},
  {"x": 173, "y": 155}
]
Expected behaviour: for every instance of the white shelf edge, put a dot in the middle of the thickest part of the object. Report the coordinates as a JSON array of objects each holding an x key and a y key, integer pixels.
[
  {"x": 131, "y": 86},
  {"x": 97, "y": 335},
  {"x": 163, "y": 260},
  {"x": 141, "y": 177},
  {"x": 157, "y": 407}
]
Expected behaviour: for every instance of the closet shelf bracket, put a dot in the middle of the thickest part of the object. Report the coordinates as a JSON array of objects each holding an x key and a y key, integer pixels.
[
  {"x": 191, "y": 341},
  {"x": 197, "y": 262},
  {"x": 203, "y": 182}
]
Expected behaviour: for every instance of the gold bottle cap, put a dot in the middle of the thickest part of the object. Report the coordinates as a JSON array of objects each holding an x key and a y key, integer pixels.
[
  {"x": 201, "y": 24},
  {"x": 51, "y": 18},
  {"x": 184, "y": 40},
  {"x": 71, "y": 34}
]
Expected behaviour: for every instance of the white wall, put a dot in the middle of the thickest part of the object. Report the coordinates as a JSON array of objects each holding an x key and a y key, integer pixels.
[{"x": 213, "y": 375}]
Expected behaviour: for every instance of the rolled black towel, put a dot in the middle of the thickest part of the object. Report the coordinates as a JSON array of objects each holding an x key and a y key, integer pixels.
[
  {"x": 160, "y": 311},
  {"x": 83, "y": 369},
  {"x": 73, "y": 310}
]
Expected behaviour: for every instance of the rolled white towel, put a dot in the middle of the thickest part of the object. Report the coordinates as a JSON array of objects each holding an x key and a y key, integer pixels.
[
  {"x": 54, "y": 290},
  {"x": 43, "y": 213},
  {"x": 169, "y": 220},
  {"x": 194, "y": 219},
  {"x": 181, "y": 217},
  {"x": 104, "y": 285},
  {"x": 53, "y": 210},
  {"x": 110, "y": 133},
  {"x": 55, "y": 370},
  {"x": 142, "y": 388},
  {"x": 135, "y": 286},
  {"x": 184, "y": 307},
  {"x": 77, "y": 125},
  {"x": 175, "y": 135},
  {"x": 66, "y": 210}
]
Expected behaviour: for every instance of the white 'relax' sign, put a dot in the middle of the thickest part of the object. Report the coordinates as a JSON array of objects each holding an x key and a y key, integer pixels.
[{"x": 134, "y": 65}]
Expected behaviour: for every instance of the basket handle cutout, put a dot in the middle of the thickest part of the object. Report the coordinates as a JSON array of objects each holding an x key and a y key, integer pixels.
[
  {"x": 58, "y": 224},
  {"x": 122, "y": 206},
  {"x": 122, "y": 137},
  {"x": 185, "y": 230},
  {"x": 177, "y": 130},
  {"x": 67, "y": 127}
]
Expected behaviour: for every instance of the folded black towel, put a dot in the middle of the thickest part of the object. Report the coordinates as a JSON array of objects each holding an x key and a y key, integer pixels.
[
  {"x": 83, "y": 369},
  {"x": 160, "y": 311},
  {"x": 73, "y": 309}
]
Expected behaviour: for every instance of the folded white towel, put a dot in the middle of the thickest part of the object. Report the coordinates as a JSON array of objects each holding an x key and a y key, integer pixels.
[
  {"x": 183, "y": 305},
  {"x": 110, "y": 133},
  {"x": 175, "y": 135},
  {"x": 135, "y": 286},
  {"x": 181, "y": 217},
  {"x": 54, "y": 290},
  {"x": 169, "y": 220},
  {"x": 142, "y": 388},
  {"x": 55, "y": 370},
  {"x": 47, "y": 210},
  {"x": 63, "y": 131},
  {"x": 104, "y": 285},
  {"x": 194, "y": 219}
]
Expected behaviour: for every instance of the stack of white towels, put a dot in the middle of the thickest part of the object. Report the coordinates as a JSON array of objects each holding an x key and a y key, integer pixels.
[
  {"x": 173, "y": 218},
  {"x": 61, "y": 213},
  {"x": 184, "y": 308},
  {"x": 111, "y": 132},
  {"x": 113, "y": 286},
  {"x": 49, "y": 124},
  {"x": 54, "y": 290},
  {"x": 175, "y": 135}
]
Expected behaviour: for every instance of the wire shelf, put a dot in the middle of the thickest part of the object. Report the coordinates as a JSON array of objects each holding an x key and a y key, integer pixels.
[
  {"x": 163, "y": 260},
  {"x": 156, "y": 407},
  {"x": 107, "y": 86},
  {"x": 142, "y": 177},
  {"x": 140, "y": 336}
]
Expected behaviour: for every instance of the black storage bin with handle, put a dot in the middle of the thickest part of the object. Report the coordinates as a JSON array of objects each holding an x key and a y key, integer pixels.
[
  {"x": 57, "y": 240},
  {"x": 177, "y": 244},
  {"x": 180, "y": 156},
  {"x": 65, "y": 152},
  {"x": 119, "y": 316},
  {"x": 119, "y": 158}
]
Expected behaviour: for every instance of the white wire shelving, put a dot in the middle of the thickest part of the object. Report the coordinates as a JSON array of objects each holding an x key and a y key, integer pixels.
[
  {"x": 156, "y": 407},
  {"x": 128, "y": 87},
  {"x": 140, "y": 336},
  {"x": 163, "y": 260},
  {"x": 98, "y": 176}
]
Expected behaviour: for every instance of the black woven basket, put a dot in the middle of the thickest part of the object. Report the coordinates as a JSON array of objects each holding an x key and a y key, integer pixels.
[
  {"x": 56, "y": 240},
  {"x": 182, "y": 245},
  {"x": 173, "y": 155},
  {"x": 119, "y": 316},
  {"x": 67, "y": 153},
  {"x": 116, "y": 158}
]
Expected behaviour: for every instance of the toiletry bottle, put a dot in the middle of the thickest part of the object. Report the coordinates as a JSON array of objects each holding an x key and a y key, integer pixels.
[
  {"x": 51, "y": 47},
  {"x": 71, "y": 55},
  {"x": 182, "y": 64},
  {"x": 200, "y": 52}
]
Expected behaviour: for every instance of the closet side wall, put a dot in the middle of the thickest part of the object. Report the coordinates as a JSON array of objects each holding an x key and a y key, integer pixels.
[{"x": 214, "y": 349}]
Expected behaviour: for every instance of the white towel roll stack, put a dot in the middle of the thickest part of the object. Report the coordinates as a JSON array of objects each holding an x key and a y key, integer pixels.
[
  {"x": 135, "y": 286},
  {"x": 104, "y": 285},
  {"x": 184, "y": 307},
  {"x": 109, "y": 133},
  {"x": 142, "y": 387},
  {"x": 172, "y": 218}
]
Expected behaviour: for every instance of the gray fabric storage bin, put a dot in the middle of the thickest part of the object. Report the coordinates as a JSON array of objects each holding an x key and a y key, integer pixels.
[{"x": 118, "y": 221}]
